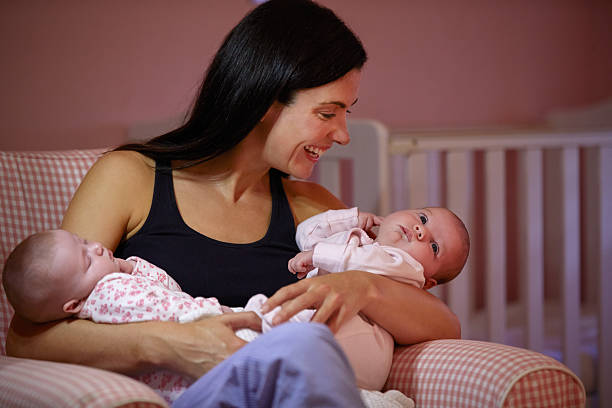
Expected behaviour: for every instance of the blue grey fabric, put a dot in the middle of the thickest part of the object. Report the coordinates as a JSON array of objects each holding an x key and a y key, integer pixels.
[{"x": 294, "y": 365}]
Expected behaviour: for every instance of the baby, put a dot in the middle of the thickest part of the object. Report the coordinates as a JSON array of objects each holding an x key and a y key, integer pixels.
[
  {"x": 431, "y": 243},
  {"x": 55, "y": 274},
  {"x": 423, "y": 247}
]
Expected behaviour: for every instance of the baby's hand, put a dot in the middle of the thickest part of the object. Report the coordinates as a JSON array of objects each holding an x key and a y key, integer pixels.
[
  {"x": 368, "y": 220},
  {"x": 301, "y": 264}
]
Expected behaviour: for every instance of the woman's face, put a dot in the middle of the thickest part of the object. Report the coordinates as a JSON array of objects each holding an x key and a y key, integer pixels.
[{"x": 302, "y": 131}]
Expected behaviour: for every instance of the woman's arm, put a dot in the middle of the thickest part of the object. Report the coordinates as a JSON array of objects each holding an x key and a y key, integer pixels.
[
  {"x": 132, "y": 348},
  {"x": 410, "y": 314},
  {"x": 113, "y": 200}
]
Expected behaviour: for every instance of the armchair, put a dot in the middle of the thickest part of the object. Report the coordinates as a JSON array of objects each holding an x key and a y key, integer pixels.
[{"x": 35, "y": 188}]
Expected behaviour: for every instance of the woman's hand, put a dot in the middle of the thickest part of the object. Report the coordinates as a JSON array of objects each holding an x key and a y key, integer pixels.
[
  {"x": 195, "y": 348},
  {"x": 337, "y": 298}
]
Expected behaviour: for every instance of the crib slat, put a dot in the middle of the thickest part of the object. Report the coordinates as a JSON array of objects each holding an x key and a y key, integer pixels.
[
  {"x": 329, "y": 175},
  {"x": 434, "y": 172},
  {"x": 532, "y": 237},
  {"x": 605, "y": 283},
  {"x": 418, "y": 181},
  {"x": 570, "y": 284},
  {"x": 399, "y": 178},
  {"x": 347, "y": 182},
  {"x": 495, "y": 226},
  {"x": 460, "y": 182}
]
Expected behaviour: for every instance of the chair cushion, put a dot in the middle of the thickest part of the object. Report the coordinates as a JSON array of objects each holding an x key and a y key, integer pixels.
[
  {"x": 467, "y": 373},
  {"x": 44, "y": 384}
]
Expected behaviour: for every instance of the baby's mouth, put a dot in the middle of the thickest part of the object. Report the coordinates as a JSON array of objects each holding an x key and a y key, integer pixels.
[{"x": 406, "y": 233}]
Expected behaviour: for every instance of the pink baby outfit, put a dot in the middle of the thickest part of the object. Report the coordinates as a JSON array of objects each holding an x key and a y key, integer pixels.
[
  {"x": 148, "y": 293},
  {"x": 339, "y": 245}
]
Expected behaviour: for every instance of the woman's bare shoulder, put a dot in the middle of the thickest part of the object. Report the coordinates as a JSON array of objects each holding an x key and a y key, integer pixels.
[
  {"x": 113, "y": 199},
  {"x": 308, "y": 198},
  {"x": 124, "y": 171},
  {"x": 123, "y": 162}
]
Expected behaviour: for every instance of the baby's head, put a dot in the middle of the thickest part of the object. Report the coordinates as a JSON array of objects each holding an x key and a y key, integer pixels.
[
  {"x": 434, "y": 236},
  {"x": 50, "y": 274}
]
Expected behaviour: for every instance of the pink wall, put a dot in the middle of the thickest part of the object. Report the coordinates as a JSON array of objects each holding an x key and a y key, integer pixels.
[{"x": 77, "y": 73}]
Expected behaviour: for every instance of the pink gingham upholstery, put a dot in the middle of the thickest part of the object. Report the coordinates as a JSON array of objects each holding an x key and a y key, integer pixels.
[
  {"x": 44, "y": 384},
  {"x": 35, "y": 188},
  {"x": 466, "y": 373}
]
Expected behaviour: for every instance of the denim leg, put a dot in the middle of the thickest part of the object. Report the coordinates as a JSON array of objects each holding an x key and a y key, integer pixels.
[{"x": 294, "y": 365}]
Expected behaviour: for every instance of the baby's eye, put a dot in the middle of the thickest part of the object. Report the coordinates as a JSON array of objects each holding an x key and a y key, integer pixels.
[
  {"x": 435, "y": 248},
  {"x": 423, "y": 218}
]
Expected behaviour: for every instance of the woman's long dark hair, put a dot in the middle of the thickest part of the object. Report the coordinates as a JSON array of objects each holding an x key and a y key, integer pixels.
[{"x": 280, "y": 47}]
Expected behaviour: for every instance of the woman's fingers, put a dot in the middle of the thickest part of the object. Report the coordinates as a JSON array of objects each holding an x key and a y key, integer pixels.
[
  {"x": 241, "y": 320},
  {"x": 330, "y": 312},
  {"x": 299, "y": 298},
  {"x": 200, "y": 345},
  {"x": 284, "y": 294},
  {"x": 336, "y": 297}
]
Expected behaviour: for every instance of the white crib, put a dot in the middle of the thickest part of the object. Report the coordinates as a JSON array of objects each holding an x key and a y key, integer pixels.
[{"x": 538, "y": 205}]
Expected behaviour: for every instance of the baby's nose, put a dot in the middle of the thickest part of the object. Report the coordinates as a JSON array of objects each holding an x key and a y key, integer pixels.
[
  {"x": 97, "y": 248},
  {"x": 419, "y": 231}
]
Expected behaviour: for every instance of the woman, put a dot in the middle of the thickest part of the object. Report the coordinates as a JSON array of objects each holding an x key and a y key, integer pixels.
[{"x": 207, "y": 203}]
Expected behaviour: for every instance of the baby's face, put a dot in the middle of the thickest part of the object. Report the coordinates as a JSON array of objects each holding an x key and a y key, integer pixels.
[
  {"x": 81, "y": 263},
  {"x": 430, "y": 235}
]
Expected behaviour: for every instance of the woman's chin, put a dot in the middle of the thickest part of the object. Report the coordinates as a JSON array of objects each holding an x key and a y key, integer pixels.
[{"x": 301, "y": 172}]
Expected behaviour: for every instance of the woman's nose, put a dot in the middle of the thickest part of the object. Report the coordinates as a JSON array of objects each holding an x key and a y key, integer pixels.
[{"x": 341, "y": 135}]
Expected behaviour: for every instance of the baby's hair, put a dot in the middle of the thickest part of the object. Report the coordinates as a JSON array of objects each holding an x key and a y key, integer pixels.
[
  {"x": 25, "y": 274},
  {"x": 447, "y": 274}
]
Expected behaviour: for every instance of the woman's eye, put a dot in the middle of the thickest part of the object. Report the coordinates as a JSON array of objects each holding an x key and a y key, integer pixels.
[
  {"x": 435, "y": 248},
  {"x": 423, "y": 218},
  {"x": 327, "y": 115}
]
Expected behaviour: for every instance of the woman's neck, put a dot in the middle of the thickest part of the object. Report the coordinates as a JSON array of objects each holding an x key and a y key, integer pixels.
[{"x": 235, "y": 172}]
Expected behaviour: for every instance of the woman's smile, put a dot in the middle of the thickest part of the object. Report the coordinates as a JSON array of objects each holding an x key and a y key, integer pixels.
[{"x": 314, "y": 152}]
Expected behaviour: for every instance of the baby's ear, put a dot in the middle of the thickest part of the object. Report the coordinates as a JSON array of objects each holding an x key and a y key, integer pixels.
[
  {"x": 429, "y": 283},
  {"x": 73, "y": 306}
]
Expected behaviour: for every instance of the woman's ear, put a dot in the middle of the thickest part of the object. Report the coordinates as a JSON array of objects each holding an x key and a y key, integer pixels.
[
  {"x": 429, "y": 283},
  {"x": 73, "y": 306},
  {"x": 272, "y": 113}
]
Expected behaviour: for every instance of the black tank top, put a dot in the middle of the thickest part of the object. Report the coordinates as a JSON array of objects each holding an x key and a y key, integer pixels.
[{"x": 206, "y": 267}]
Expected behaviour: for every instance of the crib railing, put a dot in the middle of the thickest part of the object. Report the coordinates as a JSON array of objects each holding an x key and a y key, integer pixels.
[{"x": 538, "y": 206}]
